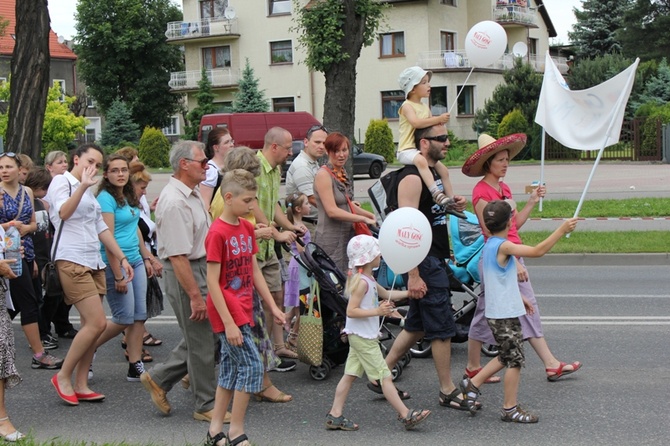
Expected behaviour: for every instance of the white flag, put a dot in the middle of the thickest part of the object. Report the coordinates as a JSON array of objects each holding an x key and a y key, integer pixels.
[{"x": 583, "y": 119}]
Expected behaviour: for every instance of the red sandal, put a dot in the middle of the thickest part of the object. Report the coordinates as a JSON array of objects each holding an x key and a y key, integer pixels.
[
  {"x": 560, "y": 371},
  {"x": 471, "y": 374}
]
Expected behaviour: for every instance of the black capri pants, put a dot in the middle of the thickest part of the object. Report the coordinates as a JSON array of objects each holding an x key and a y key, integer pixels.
[{"x": 24, "y": 298}]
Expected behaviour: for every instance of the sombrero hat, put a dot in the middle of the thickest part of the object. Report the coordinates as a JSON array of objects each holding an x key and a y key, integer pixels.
[{"x": 489, "y": 146}]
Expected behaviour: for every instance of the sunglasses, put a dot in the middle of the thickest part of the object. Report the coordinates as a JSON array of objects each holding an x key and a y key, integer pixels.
[
  {"x": 203, "y": 162},
  {"x": 440, "y": 138},
  {"x": 9, "y": 154},
  {"x": 314, "y": 128}
]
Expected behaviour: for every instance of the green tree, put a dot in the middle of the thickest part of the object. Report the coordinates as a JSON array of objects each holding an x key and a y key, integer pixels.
[
  {"x": 154, "y": 148},
  {"x": 119, "y": 126},
  {"x": 379, "y": 139},
  {"x": 520, "y": 90},
  {"x": 644, "y": 32},
  {"x": 61, "y": 126},
  {"x": 30, "y": 78},
  {"x": 205, "y": 105},
  {"x": 123, "y": 55},
  {"x": 248, "y": 97},
  {"x": 594, "y": 34},
  {"x": 513, "y": 122},
  {"x": 333, "y": 32},
  {"x": 657, "y": 87}
]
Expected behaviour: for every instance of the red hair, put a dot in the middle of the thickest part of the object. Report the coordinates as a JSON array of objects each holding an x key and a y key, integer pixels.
[{"x": 334, "y": 141}]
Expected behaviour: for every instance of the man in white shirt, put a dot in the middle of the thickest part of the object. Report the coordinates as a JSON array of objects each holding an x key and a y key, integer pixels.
[{"x": 300, "y": 176}]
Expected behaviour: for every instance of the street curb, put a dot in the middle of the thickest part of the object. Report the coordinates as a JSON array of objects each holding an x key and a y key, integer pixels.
[{"x": 642, "y": 259}]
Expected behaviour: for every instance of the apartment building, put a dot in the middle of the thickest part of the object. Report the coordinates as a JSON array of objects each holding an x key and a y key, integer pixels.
[{"x": 221, "y": 34}]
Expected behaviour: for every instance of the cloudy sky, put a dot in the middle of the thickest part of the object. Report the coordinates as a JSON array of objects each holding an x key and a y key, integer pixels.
[{"x": 560, "y": 11}]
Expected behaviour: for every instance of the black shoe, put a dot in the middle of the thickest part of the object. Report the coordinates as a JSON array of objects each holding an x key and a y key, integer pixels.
[
  {"x": 70, "y": 334},
  {"x": 135, "y": 369},
  {"x": 285, "y": 366},
  {"x": 49, "y": 342}
]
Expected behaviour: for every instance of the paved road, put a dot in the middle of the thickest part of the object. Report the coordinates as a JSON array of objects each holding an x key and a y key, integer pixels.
[
  {"x": 613, "y": 318},
  {"x": 564, "y": 181}
]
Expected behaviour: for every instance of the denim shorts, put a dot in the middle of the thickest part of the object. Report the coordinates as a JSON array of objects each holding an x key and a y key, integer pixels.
[
  {"x": 131, "y": 306},
  {"x": 241, "y": 367},
  {"x": 432, "y": 314}
]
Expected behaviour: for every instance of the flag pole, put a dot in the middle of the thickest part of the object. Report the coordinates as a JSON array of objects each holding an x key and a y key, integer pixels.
[
  {"x": 618, "y": 106},
  {"x": 542, "y": 164},
  {"x": 459, "y": 93}
]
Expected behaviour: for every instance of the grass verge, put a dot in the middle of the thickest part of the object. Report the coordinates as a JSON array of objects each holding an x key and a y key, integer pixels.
[{"x": 592, "y": 242}]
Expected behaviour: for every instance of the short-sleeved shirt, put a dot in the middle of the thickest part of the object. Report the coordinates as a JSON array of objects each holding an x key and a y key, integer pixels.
[
  {"x": 483, "y": 190},
  {"x": 79, "y": 242},
  {"x": 233, "y": 247},
  {"x": 503, "y": 299},
  {"x": 300, "y": 178},
  {"x": 126, "y": 220},
  {"x": 181, "y": 221},
  {"x": 406, "y": 140},
  {"x": 268, "y": 195}
]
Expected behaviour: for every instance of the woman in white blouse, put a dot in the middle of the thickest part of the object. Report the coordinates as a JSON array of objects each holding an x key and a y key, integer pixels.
[{"x": 80, "y": 266}]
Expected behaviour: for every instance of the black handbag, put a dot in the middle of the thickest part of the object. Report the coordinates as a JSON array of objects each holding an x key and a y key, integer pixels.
[
  {"x": 154, "y": 297},
  {"x": 51, "y": 280}
]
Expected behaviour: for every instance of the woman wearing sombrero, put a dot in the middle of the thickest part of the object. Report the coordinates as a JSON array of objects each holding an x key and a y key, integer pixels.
[{"x": 492, "y": 160}]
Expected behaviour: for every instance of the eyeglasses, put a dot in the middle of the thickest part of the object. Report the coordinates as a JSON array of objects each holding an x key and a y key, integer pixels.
[
  {"x": 314, "y": 128},
  {"x": 439, "y": 138},
  {"x": 203, "y": 162}
]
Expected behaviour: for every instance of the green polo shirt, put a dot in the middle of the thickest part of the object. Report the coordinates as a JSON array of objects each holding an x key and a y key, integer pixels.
[{"x": 268, "y": 195}]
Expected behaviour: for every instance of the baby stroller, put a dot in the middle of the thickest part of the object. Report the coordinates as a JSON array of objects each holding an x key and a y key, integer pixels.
[{"x": 333, "y": 307}]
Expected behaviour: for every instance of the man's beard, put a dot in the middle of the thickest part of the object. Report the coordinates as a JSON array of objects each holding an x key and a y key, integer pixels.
[{"x": 435, "y": 152}]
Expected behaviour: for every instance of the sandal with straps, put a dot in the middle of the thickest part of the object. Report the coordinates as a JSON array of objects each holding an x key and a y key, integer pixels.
[
  {"x": 377, "y": 388},
  {"x": 284, "y": 352},
  {"x": 414, "y": 418},
  {"x": 292, "y": 341},
  {"x": 471, "y": 393},
  {"x": 560, "y": 371},
  {"x": 242, "y": 440},
  {"x": 518, "y": 415},
  {"x": 280, "y": 398},
  {"x": 454, "y": 401},
  {"x": 213, "y": 441},
  {"x": 151, "y": 341},
  {"x": 340, "y": 423}
]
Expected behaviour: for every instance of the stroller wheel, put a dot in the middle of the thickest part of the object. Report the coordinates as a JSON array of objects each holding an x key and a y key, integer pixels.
[
  {"x": 396, "y": 371},
  {"x": 405, "y": 359},
  {"x": 421, "y": 349},
  {"x": 320, "y": 372},
  {"x": 490, "y": 350}
]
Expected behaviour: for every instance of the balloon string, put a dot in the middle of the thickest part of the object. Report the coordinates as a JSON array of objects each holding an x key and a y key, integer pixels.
[
  {"x": 395, "y": 277},
  {"x": 462, "y": 88}
]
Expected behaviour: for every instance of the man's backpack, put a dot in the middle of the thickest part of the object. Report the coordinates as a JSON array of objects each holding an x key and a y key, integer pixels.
[{"x": 384, "y": 193}]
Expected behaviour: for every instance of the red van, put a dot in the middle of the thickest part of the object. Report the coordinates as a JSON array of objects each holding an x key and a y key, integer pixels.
[{"x": 249, "y": 129}]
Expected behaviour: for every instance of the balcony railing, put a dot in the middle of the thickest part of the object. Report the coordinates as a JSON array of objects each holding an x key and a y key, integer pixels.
[
  {"x": 219, "y": 77},
  {"x": 204, "y": 28},
  {"x": 439, "y": 60},
  {"x": 515, "y": 14}
]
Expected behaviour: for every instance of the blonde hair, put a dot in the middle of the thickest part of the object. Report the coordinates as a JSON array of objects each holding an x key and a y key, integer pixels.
[
  {"x": 26, "y": 161},
  {"x": 353, "y": 279},
  {"x": 237, "y": 181}
]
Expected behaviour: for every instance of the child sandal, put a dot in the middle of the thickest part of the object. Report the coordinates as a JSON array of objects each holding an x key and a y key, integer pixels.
[
  {"x": 414, "y": 418},
  {"x": 340, "y": 423},
  {"x": 518, "y": 415}
]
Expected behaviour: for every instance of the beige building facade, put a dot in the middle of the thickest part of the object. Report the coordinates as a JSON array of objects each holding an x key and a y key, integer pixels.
[{"x": 221, "y": 34}]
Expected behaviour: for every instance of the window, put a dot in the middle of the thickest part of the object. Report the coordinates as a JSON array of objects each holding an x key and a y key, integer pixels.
[
  {"x": 173, "y": 128},
  {"x": 3, "y": 80},
  {"x": 391, "y": 102},
  {"x": 210, "y": 9},
  {"x": 449, "y": 2},
  {"x": 279, "y": 7},
  {"x": 532, "y": 47},
  {"x": 447, "y": 41},
  {"x": 283, "y": 104},
  {"x": 392, "y": 45},
  {"x": 438, "y": 100},
  {"x": 223, "y": 107},
  {"x": 61, "y": 84},
  {"x": 466, "y": 100},
  {"x": 281, "y": 52},
  {"x": 216, "y": 57},
  {"x": 90, "y": 135}
]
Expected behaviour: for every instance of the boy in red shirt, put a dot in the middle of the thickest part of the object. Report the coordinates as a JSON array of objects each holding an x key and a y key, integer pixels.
[{"x": 232, "y": 275}]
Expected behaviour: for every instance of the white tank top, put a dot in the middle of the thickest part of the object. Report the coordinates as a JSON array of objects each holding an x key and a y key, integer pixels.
[{"x": 365, "y": 327}]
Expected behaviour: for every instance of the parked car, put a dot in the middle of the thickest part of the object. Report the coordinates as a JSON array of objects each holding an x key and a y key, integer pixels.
[{"x": 364, "y": 163}]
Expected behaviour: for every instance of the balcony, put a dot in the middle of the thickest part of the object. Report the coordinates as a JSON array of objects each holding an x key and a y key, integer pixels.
[
  {"x": 219, "y": 77},
  {"x": 204, "y": 29},
  {"x": 458, "y": 60},
  {"x": 515, "y": 15}
]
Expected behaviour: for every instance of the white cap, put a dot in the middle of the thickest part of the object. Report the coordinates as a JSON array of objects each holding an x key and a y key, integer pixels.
[
  {"x": 361, "y": 250},
  {"x": 412, "y": 76}
]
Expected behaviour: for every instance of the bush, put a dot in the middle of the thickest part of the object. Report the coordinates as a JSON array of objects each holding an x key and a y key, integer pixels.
[
  {"x": 379, "y": 139},
  {"x": 154, "y": 148},
  {"x": 119, "y": 126},
  {"x": 459, "y": 149}
]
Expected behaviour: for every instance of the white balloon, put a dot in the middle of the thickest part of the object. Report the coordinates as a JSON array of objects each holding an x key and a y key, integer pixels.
[
  {"x": 485, "y": 43},
  {"x": 520, "y": 49},
  {"x": 404, "y": 239}
]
